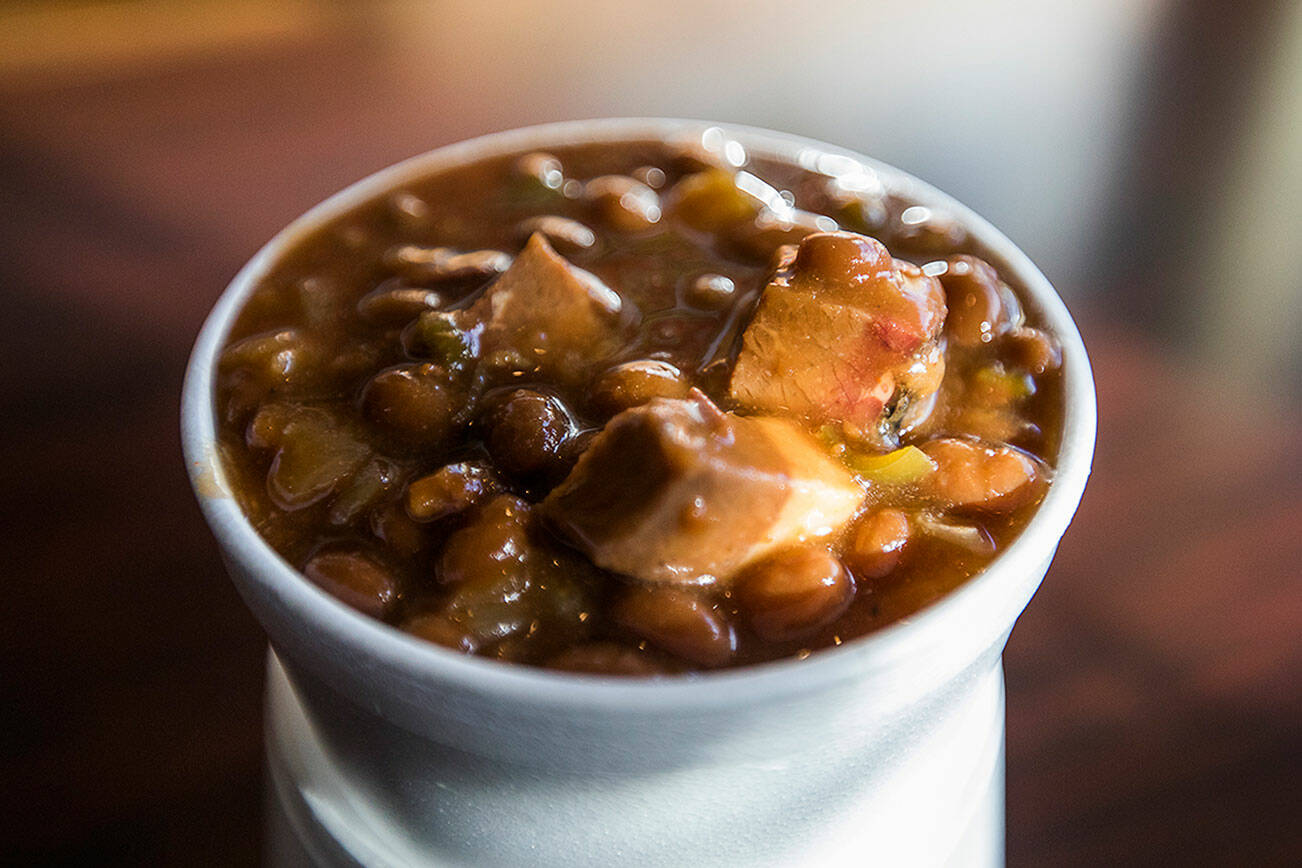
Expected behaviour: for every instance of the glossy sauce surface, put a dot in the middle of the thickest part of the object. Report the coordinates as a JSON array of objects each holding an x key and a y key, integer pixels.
[{"x": 391, "y": 437}]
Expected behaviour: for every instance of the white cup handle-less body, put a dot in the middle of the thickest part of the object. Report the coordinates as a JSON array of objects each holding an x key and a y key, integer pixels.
[
  {"x": 387, "y": 750},
  {"x": 933, "y": 798}
]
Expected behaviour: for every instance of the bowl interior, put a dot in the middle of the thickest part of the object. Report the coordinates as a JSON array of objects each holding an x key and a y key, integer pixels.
[{"x": 992, "y": 598}]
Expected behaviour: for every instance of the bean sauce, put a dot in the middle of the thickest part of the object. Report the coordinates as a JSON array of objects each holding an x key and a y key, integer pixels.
[{"x": 639, "y": 409}]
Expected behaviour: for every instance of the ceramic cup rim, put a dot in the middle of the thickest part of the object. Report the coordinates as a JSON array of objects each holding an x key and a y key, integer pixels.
[{"x": 1000, "y": 591}]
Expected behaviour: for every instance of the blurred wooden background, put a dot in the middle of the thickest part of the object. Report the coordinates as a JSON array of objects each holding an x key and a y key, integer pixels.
[{"x": 146, "y": 149}]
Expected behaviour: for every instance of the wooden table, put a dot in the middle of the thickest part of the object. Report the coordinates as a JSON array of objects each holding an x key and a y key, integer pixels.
[{"x": 1154, "y": 711}]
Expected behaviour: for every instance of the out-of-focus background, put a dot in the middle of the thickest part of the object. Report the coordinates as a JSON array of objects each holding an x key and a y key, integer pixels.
[{"x": 1146, "y": 153}]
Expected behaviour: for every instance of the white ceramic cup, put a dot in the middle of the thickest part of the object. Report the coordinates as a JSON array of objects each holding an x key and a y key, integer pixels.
[{"x": 386, "y": 749}]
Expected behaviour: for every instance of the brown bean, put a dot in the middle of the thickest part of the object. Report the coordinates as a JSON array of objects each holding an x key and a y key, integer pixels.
[
  {"x": 492, "y": 596},
  {"x": 838, "y": 255},
  {"x": 1033, "y": 350},
  {"x": 691, "y": 156},
  {"x": 540, "y": 167},
  {"x": 981, "y": 306},
  {"x": 449, "y": 490},
  {"x": 625, "y": 203},
  {"x": 438, "y": 628},
  {"x": 971, "y": 537},
  {"x": 859, "y": 208},
  {"x": 416, "y": 404},
  {"x": 711, "y": 292},
  {"x": 1001, "y": 424},
  {"x": 634, "y": 383},
  {"x": 508, "y": 584},
  {"x": 268, "y": 425},
  {"x": 261, "y": 349},
  {"x": 527, "y": 433},
  {"x": 867, "y": 214},
  {"x": 606, "y": 658},
  {"x": 242, "y": 396},
  {"x": 877, "y": 543},
  {"x": 794, "y": 592},
  {"x": 711, "y": 201},
  {"x": 652, "y": 176},
  {"x": 395, "y": 305},
  {"x": 411, "y": 211},
  {"x": 564, "y": 234},
  {"x": 355, "y": 579},
  {"x": 491, "y": 549},
  {"x": 274, "y": 359},
  {"x": 972, "y": 474},
  {"x": 920, "y": 230},
  {"x": 392, "y": 526},
  {"x": 759, "y": 238},
  {"x": 445, "y": 264},
  {"x": 681, "y": 622}
]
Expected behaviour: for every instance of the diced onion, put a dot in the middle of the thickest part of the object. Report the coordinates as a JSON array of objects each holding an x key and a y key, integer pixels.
[{"x": 901, "y": 467}]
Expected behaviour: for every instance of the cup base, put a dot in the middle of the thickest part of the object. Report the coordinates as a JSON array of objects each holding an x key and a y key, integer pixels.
[{"x": 314, "y": 817}]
